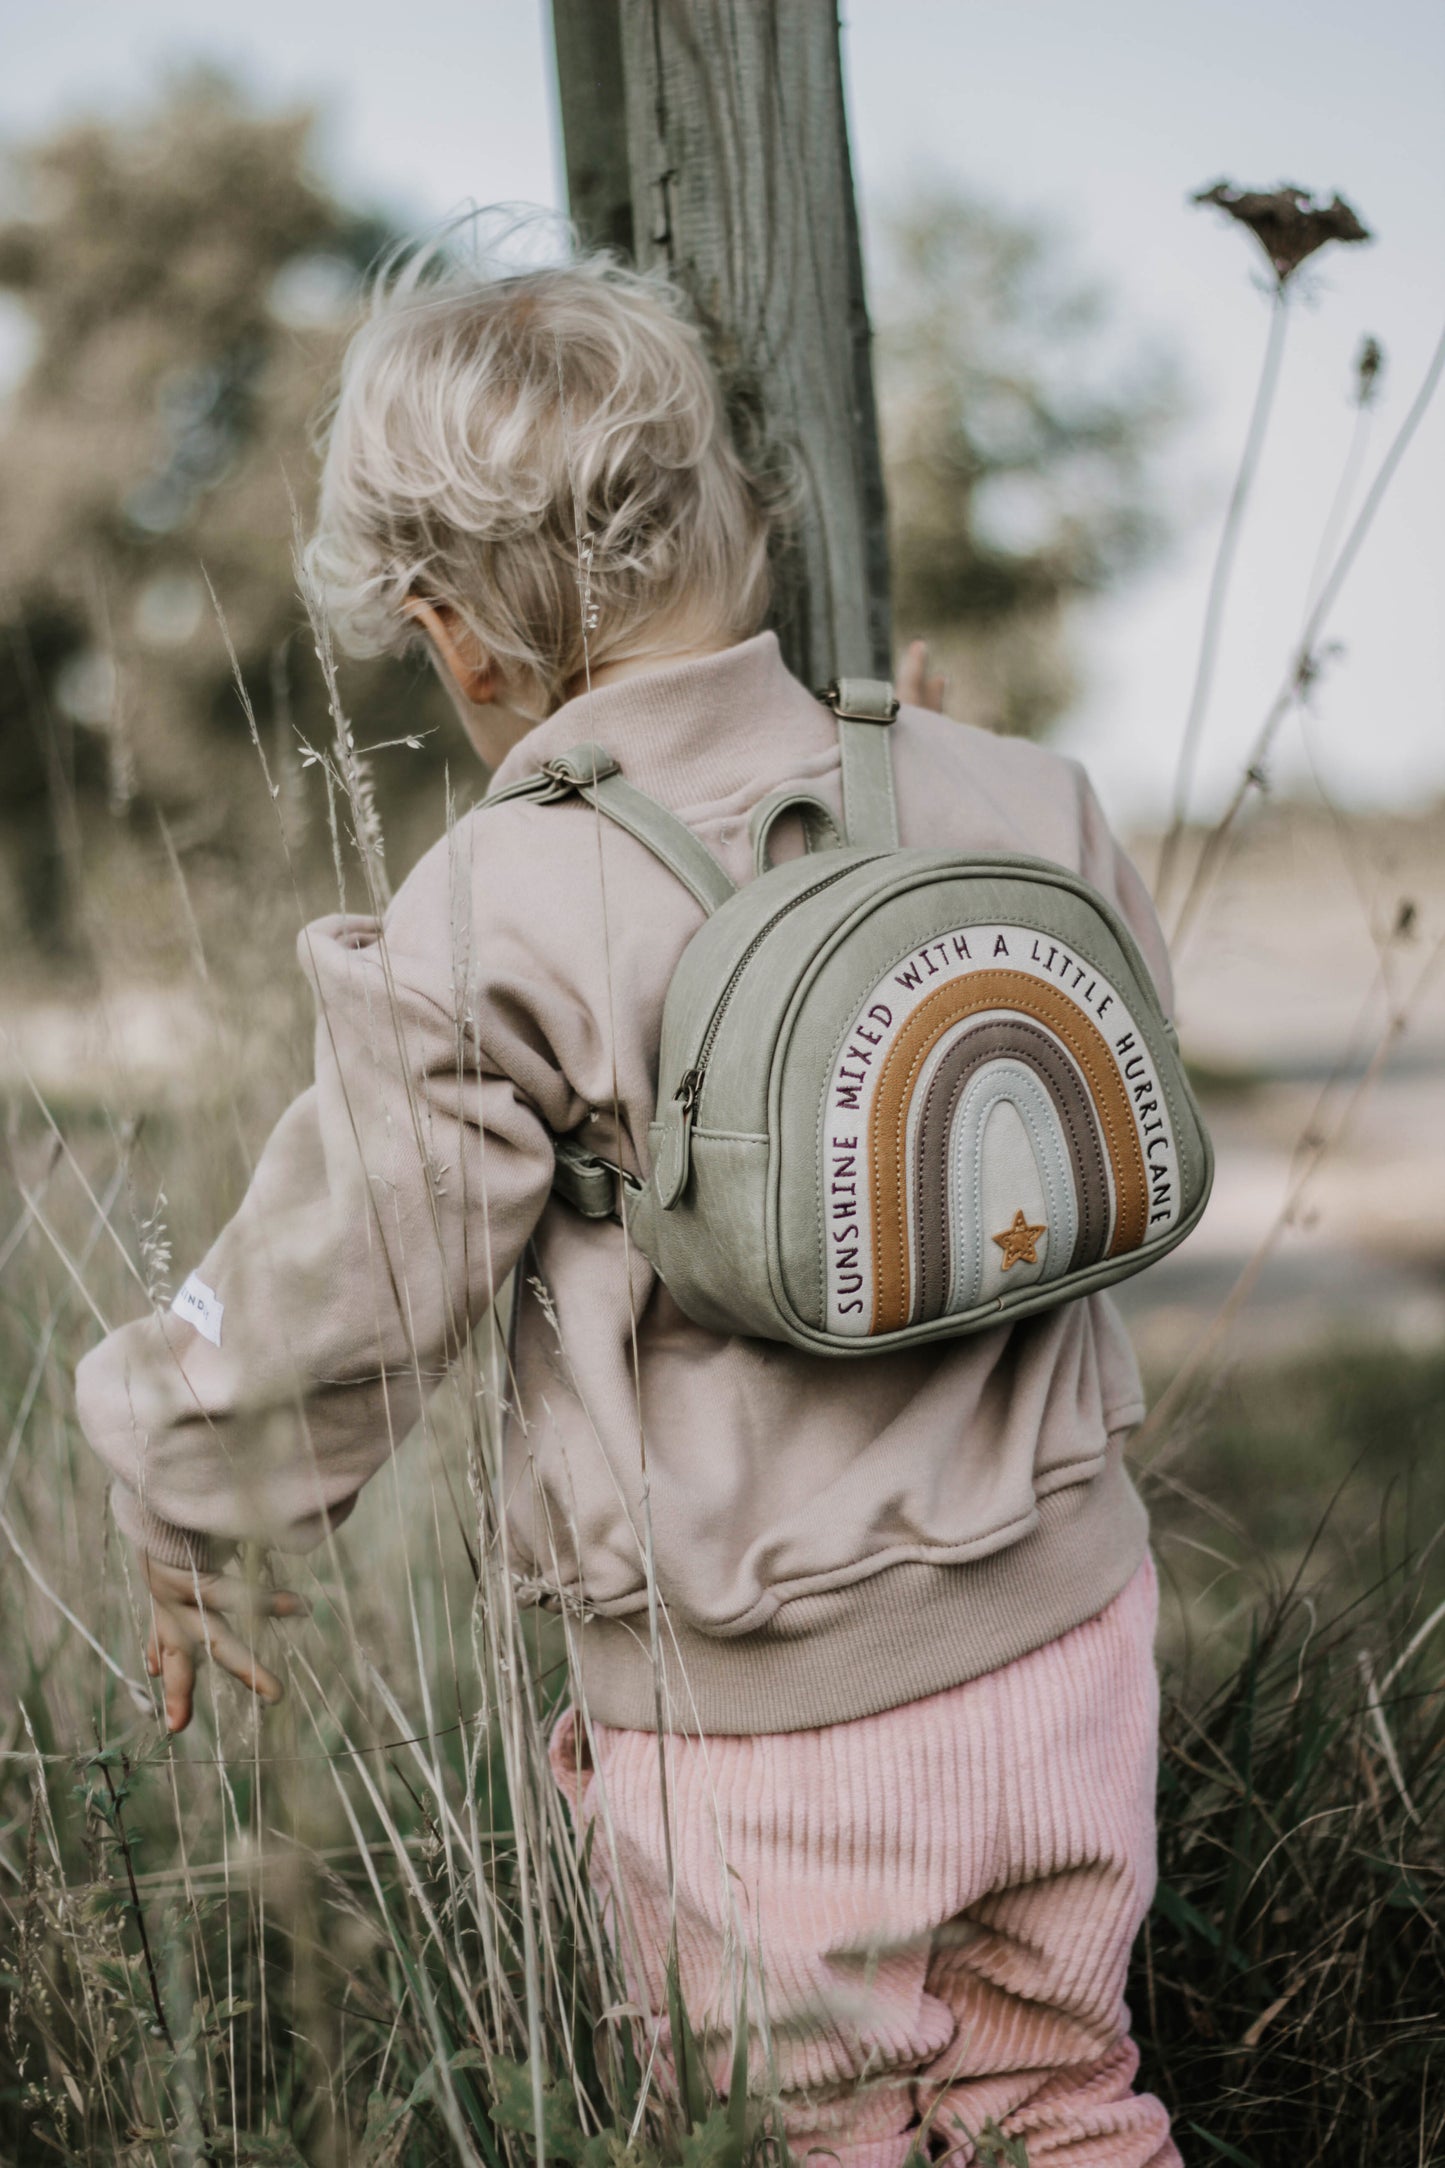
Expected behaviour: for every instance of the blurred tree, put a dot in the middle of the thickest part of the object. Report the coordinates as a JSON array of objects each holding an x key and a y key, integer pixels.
[
  {"x": 189, "y": 283},
  {"x": 1016, "y": 447}
]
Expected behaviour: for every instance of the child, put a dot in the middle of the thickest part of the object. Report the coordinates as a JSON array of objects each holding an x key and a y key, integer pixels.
[{"x": 907, "y": 1606}]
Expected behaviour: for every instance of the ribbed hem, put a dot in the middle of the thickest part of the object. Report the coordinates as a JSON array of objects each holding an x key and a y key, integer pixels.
[
  {"x": 184, "y": 1548},
  {"x": 909, "y": 1631}
]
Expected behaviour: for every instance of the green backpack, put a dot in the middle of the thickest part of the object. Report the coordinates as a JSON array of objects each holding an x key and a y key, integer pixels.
[{"x": 902, "y": 1094}]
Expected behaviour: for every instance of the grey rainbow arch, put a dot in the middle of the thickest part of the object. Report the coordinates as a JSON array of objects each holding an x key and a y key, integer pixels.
[{"x": 1017, "y": 1039}]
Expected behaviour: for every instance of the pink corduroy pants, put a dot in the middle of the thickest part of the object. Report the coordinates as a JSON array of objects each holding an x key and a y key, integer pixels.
[{"x": 932, "y": 1908}]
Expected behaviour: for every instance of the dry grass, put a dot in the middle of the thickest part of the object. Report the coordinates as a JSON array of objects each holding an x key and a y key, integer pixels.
[
  {"x": 359, "y": 1930},
  {"x": 351, "y": 1932},
  {"x": 1289, "y": 1989},
  {"x": 356, "y": 1929}
]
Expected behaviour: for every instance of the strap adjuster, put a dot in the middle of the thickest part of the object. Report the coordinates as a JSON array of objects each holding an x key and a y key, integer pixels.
[
  {"x": 595, "y": 1187},
  {"x": 861, "y": 700}
]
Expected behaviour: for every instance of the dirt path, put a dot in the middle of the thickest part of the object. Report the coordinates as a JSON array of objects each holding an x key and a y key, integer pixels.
[{"x": 1281, "y": 989}]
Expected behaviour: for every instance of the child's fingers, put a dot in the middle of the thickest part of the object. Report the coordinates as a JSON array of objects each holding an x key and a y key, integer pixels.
[
  {"x": 178, "y": 1676},
  {"x": 912, "y": 673},
  {"x": 223, "y": 1592},
  {"x": 177, "y": 1632},
  {"x": 224, "y": 1648},
  {"x": 918, "y": 685},
  {"x": 241, "y": 1599},
  {"x": 169, "y": 1659}
]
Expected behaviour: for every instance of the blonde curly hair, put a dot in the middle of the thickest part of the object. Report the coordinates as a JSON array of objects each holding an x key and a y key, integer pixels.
[{"x": 546, "y": 452}]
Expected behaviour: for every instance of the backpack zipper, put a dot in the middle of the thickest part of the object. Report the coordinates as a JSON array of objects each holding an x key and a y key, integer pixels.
[
  {"x": 672, "y": 1165},
  {"x": 691, "y": 1082},
  {"x": 689, "y": 1085}
]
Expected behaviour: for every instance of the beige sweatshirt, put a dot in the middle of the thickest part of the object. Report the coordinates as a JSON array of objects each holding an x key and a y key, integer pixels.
[{"x": 830, "y": 1538}]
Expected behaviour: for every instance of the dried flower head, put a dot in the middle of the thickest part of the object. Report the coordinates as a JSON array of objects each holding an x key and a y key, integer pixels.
[
  {"x": 1369, "y": 368},
  {"x": 154, "y": 1241},
  {"x": 1288, "y": 223}
]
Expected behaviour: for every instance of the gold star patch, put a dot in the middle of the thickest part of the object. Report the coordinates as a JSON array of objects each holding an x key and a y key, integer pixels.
[{"x": 1018, "y": 1242}]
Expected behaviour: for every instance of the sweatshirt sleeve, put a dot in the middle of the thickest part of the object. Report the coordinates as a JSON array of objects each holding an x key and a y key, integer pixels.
[
  {"x": 388, "y": 1205},
  {"x": 1106, "y": 864}
]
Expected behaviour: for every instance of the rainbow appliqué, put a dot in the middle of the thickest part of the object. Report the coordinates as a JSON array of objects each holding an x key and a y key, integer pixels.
[{"x": 993, "y": 1119}]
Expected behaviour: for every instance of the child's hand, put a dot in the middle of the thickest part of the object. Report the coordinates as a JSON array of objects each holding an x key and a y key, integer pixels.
[
  {"x": 916, "y": 688},
  {"x": 188, "y": 1615}
]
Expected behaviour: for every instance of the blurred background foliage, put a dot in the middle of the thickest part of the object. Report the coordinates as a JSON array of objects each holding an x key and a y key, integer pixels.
[
  {"x": 1018, "y": 439},
  {"x": 189, "y": 281}
]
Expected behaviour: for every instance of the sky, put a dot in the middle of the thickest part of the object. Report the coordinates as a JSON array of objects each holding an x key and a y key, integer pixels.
[{"x": 1099, "y": 122}]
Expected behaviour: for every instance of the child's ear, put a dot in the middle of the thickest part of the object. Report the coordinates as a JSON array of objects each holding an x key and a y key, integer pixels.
[{"x": 457, "y": 648}]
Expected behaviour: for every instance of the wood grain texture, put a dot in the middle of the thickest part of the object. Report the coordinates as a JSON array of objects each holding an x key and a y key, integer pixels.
[{"x": 741, "y": 185}]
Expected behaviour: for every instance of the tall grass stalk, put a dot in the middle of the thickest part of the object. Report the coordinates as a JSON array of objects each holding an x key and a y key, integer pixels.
[
  {"x": 1217, "y": 595},
  {"x": 1305, "y": 662}
]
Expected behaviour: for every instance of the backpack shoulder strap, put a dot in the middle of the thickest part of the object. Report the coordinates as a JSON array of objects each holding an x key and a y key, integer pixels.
[
  {"x": 593, "y": 1186},
  {"x": 865, "y": 707},
  {"x": 589, "y": 772}
]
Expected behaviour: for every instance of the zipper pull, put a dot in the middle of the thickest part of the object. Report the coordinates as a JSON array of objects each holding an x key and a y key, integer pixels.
[{"x": 673, "y": 1165}]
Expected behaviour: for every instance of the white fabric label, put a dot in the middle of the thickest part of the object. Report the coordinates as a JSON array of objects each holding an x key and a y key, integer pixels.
[{"x": 200, "y": 1306}]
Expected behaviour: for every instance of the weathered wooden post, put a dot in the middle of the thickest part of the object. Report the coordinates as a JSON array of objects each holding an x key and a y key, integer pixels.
[{"x": 710, "y": 136}]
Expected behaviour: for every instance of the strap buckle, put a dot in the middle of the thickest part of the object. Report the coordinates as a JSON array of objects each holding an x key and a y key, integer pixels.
[
  {"x": 596, "y": 1188},
  {"x": 861, "y": 700}
]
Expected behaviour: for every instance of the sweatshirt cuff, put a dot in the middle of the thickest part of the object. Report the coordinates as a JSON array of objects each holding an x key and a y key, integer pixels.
[{"x": 187, "y": 1549}]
